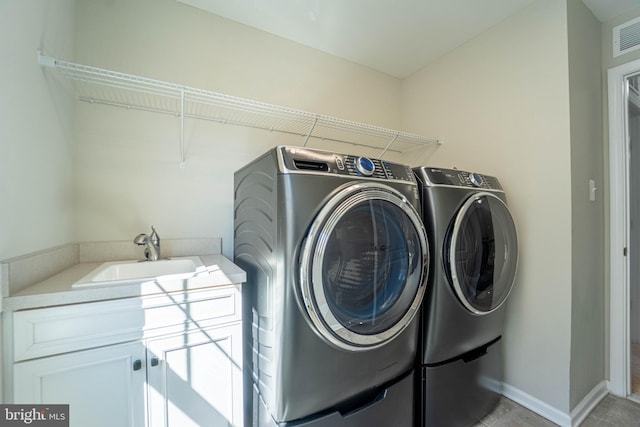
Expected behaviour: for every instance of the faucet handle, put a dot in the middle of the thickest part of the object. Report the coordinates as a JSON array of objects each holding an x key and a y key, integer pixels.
[{"x": 141, "y": 239}]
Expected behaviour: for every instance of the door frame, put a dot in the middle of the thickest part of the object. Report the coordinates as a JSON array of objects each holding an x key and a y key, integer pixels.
[{"x": 619, "y": 275}]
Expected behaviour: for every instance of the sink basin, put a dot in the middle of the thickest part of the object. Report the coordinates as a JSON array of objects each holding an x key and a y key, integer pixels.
[{"x": 120, "y": 272}]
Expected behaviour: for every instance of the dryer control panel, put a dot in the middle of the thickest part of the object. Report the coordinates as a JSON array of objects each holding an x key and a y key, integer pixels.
[
  {"x": 458, "y": 178},
  {"x": 308, "y": 160}
]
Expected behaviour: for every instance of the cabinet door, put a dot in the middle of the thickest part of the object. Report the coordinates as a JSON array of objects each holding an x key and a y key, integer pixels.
[
  {"x": 104, "y": 387},
  {"x": 195, "y": 378}
]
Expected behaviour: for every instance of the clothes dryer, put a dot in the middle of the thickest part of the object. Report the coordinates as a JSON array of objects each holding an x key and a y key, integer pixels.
[
  {"x": 475, "y": 252},
  {"x": 336, "y": 259}
]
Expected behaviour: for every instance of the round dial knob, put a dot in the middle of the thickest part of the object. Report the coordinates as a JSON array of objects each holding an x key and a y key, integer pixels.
[
  {"x": 476, "y": 179},
  {"x": 365, "y": 166}
]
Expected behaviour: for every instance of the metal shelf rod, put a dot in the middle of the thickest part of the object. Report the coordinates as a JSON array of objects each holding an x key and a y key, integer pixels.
[
  {"x": 388, "y": 145},
  {"x": 229, "y": 122},
  {"x": 313, "y": 126},
  {"x": 182, "y": 129},
  {"x": 184, "y": 101}
]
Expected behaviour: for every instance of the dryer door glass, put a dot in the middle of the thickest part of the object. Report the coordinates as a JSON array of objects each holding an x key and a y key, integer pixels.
[
  {"x": 483, "y": 253},
  {"x": 365, "y": 263}
]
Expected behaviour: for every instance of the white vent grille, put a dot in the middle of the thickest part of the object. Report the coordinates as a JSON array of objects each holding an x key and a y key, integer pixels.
[{"x": 626, "y": 37}]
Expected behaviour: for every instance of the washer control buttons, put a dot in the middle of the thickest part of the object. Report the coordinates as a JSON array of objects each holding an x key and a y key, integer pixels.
[
  {"x": 476, "y": 179},
  {"x": 365, "y": 166},
  {"x": 339, "y": 163}
]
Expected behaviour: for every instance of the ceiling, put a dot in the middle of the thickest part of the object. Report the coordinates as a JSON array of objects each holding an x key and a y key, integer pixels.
[
  {"x": 396, "y": 37},
  {"x": 605, "y": 10}
]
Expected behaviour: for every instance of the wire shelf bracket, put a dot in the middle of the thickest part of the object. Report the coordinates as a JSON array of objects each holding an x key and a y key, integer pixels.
[{"x": 113, "y": 88}]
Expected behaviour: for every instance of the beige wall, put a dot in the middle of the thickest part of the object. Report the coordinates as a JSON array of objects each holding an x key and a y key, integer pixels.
[
  {"x": 502, "y": 101},
  {"x": 36, "y": 128},
  {"x": 127, "y": 162},
  {"x": 587, "y": 219}
]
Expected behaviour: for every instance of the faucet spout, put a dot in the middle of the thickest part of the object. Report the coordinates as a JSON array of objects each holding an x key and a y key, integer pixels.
[{"x": 151, "y": 244}]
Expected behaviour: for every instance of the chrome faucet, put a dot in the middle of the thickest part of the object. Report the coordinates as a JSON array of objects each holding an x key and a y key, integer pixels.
[{"x": 151, "y": 244}]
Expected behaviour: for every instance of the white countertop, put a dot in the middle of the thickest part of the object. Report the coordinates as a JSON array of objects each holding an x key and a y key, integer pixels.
[{"x": 57, "y": 290}]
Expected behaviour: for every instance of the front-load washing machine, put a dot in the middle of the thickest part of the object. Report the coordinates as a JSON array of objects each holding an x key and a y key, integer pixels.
[
  {"x": 474, "y": 258},
  {"x": 336, "y": 258}
]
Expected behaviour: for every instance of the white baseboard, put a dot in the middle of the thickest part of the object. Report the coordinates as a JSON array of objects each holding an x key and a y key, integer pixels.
[
  {"x": 536, "y": 405},
  {"x": 578, "y": 415},
  {"x": 590, "y": 401}
]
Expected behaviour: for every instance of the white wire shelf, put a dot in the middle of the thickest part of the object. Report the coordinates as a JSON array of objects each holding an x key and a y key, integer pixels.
[{"x": 101, "y": 86}]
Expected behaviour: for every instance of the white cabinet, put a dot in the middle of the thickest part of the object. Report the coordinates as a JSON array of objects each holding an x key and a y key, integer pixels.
[
  {"x": 101, "y": 386},
  {"x": 166, "y": 360},
  {"x": 195, "y": 380}
]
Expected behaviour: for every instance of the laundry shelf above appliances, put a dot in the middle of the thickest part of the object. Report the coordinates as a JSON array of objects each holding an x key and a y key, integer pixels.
[{"x": 107, "y": 87}]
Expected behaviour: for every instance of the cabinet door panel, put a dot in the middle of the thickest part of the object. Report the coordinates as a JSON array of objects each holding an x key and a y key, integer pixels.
[
  {"x": 197, "y": 379},
  {"x": 101, "y": 386}
]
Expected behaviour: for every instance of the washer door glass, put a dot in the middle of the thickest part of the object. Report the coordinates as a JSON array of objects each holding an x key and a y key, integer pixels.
[
  {"x": 483, "y": 253},
  {"x": 363, "y": 266}
]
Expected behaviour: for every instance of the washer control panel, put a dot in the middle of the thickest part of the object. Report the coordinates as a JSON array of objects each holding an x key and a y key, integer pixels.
[
  {"x": 476, "y": 179},
  {"x": 365, "y": 166},
  {"x": 458, "y": 178},
  {"x": 308, "y": 160}
]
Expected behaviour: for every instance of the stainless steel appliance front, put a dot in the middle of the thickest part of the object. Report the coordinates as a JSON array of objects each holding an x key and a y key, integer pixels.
[{"x": 336, "y": 260}]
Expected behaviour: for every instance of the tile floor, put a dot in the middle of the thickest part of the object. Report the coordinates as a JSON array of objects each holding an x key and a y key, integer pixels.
[
  {"x": 611, "y": 412},
  {"x": 635, "y": 368}
]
